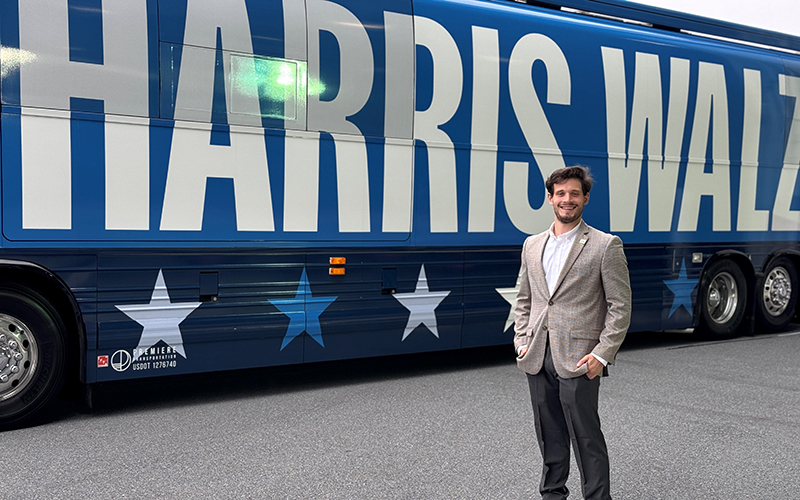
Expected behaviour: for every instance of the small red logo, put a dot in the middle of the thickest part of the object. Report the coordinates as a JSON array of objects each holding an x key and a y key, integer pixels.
[{"x": 102, "y": 361}]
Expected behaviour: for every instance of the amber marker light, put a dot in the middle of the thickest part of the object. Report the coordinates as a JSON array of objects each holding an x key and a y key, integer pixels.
[
  {"x": 338, "y": 261},
  {"x": 336, "y": 271}
]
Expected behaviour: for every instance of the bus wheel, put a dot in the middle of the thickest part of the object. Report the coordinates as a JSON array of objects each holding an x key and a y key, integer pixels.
[
  {"x": 32, "y": 355},
  {"x": 777, "y": 295},
  {"x": 722, "y": 298}
]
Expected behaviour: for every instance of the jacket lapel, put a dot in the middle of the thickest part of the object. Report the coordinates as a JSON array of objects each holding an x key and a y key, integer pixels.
[
  {"x": 577, "y": 247},
  {"x": 538, "y": 251}
]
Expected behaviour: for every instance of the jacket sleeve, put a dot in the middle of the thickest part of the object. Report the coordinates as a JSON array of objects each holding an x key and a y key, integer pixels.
[
  {"x": 523, "y": 305},
  {"x": 617, "y": 288}
]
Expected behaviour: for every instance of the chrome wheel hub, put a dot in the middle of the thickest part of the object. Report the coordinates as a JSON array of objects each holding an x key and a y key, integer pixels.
[
  {"x": 777, "y": 291},
  {"x": 722, "y": 298},
  {"x": 713, "y": 298},
  {"x": 19, "y": 356}
]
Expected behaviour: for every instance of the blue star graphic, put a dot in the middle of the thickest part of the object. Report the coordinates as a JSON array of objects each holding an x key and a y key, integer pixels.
[
  {"x": 682, "y": 288},
  {"x": 303, "y": 312}
]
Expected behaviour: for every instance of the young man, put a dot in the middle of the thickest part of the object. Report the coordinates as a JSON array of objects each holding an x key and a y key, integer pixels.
[{"x": 573, "y": 311}]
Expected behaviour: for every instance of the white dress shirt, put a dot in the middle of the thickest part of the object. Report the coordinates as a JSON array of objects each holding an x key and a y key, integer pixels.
[{"x": 555, "y": 254}]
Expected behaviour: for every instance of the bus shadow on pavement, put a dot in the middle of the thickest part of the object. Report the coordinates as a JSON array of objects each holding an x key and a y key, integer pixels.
[
  {"x": 654, "y": 340},
  {"x": 676, "y": 339},
  {"x": 204, "y": 388}
]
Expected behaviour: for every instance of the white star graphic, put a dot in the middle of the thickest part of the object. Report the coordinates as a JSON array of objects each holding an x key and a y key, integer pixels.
[
  {"x": 421, "y": 304},
  {"x": 510, "y": 294},
  {"x": 160, "y": 319}
]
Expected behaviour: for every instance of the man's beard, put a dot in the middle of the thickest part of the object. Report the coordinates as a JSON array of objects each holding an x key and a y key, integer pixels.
[{"x": 569, "y": 219}]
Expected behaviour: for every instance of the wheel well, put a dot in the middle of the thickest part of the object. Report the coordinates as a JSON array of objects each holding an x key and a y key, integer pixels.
[
  {"x": 746, "y": 266},
  {"x": 60, "y": 297}
]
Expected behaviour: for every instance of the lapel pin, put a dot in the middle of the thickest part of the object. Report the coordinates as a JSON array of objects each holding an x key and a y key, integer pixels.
[{"x": 582, "y": 241}]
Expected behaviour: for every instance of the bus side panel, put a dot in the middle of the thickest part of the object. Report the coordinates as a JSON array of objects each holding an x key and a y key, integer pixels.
[
  {"x": 191, "y": 311},
  {"x": 182, "y": 312},
  {"x": 490, "y": 290},
  {"x": 424, "y": 313}
]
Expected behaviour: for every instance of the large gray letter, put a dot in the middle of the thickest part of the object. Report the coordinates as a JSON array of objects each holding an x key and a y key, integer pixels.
[
  {"x": 447, "y": 88},
  {"x": 534, "y": 124}
]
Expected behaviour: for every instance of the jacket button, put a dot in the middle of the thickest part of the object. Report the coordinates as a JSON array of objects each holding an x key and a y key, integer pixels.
[
  {"x": 544, "y": 327},
  {"x": 551, "y": 302}
]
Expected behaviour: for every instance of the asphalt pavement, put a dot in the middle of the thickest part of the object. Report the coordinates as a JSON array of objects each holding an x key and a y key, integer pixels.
[{"x": 683, "y": 419}]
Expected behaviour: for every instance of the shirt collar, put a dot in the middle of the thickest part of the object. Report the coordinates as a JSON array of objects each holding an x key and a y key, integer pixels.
[{"x": 569, "y": 235}]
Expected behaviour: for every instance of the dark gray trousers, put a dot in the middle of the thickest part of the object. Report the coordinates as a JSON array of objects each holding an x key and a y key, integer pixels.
[{"x": 565, "y": 410}]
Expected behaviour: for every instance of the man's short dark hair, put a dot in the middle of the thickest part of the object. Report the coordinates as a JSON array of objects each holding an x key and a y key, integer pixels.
[{"x": 574, "y": 172}]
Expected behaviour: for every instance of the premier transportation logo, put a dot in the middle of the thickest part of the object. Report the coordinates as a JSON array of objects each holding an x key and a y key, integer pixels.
[{"x": 153, "y": 358}]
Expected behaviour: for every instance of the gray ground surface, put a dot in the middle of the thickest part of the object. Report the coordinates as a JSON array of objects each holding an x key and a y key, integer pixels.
[{"x": 683, "y": 418}]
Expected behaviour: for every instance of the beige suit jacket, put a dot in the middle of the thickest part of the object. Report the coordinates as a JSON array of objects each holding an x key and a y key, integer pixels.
[{"x": 589, "y": 311}]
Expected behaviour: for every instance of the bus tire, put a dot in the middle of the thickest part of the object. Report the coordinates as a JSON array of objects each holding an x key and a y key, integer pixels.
[
  {"x": 722, "y": 299},
  {"x": 32, "y": 355},
  {"x": 776, "y": 295}
]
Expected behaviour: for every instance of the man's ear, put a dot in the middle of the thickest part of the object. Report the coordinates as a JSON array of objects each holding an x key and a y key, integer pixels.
[
  {"x": 549, "y": 198},
  {"x": 586, "y": 199}
]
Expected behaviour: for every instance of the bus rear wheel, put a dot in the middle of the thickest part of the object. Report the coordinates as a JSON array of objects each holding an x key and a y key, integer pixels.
[
  {"x": 722, "y": 299},
  {"x": 32, "y": 355},
  {"x": 777, "y": 295}
]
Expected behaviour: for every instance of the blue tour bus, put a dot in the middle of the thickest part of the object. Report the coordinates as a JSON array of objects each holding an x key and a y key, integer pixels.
[{"x": 199, "y": 185}]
